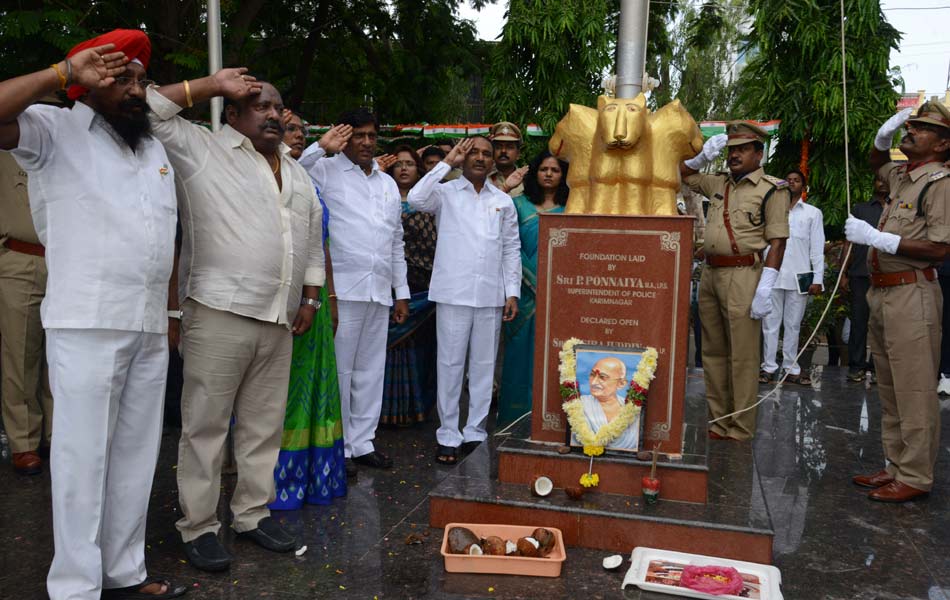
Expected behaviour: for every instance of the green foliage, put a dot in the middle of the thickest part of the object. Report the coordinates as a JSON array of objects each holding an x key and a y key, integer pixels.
[
  {"x": 551, "y": 54},
  {"x": 410, "y": 60},
  {"x": 795, "y": 76}
]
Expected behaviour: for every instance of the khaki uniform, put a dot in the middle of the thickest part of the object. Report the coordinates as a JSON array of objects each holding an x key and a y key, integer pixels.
[
  {"x": 905, "y": 324},
  {"x": 26, "y": 397},
  {"x": 731, "y": 352}
]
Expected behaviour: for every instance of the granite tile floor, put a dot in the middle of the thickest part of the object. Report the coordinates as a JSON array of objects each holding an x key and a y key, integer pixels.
[{"x": 830, "y": 541}]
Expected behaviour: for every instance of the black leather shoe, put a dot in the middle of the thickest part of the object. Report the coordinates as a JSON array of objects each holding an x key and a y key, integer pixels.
[
  {"x": 270, "y": 536},
  {"x": 206, "y": 553},
  {"x": 351, "y": 469},
  {"x": 375, "y": 459}
]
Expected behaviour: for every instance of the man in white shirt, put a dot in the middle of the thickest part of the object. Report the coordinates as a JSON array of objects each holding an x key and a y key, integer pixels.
[
  {"x": 804, "y": 256},
  {"x": 476, "y": 282},
  {"x": 251, "y": 269},
  {"x": 366, "y": 253},
  {"x": 103, "y": 203}
]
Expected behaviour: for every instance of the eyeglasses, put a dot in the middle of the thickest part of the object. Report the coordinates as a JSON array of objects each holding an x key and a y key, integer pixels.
[
  {"x": 295, "y": 129},
  {"x": 603, "y": 377},
  {"x": 124, "y": 81}
]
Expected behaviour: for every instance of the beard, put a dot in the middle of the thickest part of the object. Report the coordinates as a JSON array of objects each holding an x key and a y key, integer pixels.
[{"x": 132, "y": 125}]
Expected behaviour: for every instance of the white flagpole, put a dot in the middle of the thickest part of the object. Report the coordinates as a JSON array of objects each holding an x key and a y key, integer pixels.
[
  {"x": 632, "y": 47},
  {"x": 214, "y": 58}
]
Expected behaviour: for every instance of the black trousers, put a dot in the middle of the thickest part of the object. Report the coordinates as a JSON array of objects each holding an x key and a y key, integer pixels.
[{"x": 858, "y": 342}]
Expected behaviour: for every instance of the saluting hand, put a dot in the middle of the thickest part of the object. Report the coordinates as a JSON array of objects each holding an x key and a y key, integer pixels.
[
  {"x": 516, "y": 177},
  {"x": 457, "y": 155},
  {"x": 96, "y": 67},
  {"x": 236, "y": 84},
  {"x": 336, "y": 138},
  {"x": 385, "y": 161}
]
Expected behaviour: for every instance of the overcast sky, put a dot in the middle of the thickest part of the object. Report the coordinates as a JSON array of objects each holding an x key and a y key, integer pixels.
[{"x": 923, "y": 56}]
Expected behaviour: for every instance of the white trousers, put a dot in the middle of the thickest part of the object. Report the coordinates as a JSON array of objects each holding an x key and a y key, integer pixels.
[
  {"x": 110, "y": 392},
  {"x": 461, "y": 330},
  {"x": 788, "y": 308},
  {"x": 361, "y": 366}
]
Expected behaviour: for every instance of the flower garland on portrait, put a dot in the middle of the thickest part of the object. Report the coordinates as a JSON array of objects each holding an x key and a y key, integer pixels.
[{"x": 595, "y": 442}]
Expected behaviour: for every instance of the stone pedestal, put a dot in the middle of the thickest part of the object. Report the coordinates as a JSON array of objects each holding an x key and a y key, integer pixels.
[{"x": 614, "y": 281}]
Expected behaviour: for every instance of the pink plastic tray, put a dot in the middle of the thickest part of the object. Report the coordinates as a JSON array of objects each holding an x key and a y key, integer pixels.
[{"x": 549, "y": 566}]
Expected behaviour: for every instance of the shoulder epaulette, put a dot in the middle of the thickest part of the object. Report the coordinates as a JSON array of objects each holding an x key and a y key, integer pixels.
[
  {"x": 938, "y": 175},
  {"x": 778, "y": 183}
]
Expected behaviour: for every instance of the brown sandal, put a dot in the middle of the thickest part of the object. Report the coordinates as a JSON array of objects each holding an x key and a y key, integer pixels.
[{"x": 801, "y": 379}]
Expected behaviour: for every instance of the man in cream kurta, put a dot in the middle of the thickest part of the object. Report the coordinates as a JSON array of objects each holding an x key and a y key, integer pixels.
[
  {"x": 251, "y": 265},
  {"x": 477, "y": 274}
]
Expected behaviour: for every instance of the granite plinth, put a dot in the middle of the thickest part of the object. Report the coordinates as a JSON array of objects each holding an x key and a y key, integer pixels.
[
  {"x": 732, "y": 524},
  {"x": 684, "y": 477}
]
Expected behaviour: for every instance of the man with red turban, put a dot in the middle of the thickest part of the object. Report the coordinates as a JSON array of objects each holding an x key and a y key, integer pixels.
[{"x": 103, "y": 200}]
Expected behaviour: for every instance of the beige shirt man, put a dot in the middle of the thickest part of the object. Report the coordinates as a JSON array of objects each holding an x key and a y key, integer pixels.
[{"x": 26, "y": 397}]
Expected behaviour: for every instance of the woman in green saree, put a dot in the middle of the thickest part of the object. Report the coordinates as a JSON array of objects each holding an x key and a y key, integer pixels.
[{"x": 545, "y": 187}]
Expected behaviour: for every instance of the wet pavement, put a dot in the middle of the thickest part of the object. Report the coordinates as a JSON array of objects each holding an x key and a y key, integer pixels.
[{"x": 830, "y": 541}]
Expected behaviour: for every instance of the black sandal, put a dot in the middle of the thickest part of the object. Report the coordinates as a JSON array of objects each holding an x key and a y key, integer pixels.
[
  {"x": 134, "y": 592},
  {"x": 447, "y": 456}
]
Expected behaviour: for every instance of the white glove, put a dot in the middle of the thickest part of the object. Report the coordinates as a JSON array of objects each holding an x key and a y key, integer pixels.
[
  {"x": 710, "y": 151},
  {"x": 860, "y": 232},
  {"x": 762, "y": 303},
  {"x": 885, "y": 135}
]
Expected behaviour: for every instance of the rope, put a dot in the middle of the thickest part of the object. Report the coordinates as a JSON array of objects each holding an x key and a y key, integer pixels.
[{"x": 844, "y": 261}]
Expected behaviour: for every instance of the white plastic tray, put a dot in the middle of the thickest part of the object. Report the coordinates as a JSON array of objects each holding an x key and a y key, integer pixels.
[{"x": 763, "y": 582}]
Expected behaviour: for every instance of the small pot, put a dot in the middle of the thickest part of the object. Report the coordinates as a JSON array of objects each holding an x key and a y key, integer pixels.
[{"x": 651, "y": 489}]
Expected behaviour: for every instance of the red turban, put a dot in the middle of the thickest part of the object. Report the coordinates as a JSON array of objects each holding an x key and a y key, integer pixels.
[{"x": 134, "y": 43}]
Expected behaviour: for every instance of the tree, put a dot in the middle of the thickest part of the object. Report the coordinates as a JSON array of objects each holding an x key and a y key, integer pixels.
[
  {"x": 795, "y": 75},
  {"x": 409, "y": 60}
]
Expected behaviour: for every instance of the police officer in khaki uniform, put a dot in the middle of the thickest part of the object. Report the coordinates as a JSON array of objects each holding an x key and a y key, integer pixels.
[
  {"x": 27, "y": 402},
  {"x": 905, "y": 299},
  {"x": 506, "y": 142},
  {"x": 748, "y": 214}
]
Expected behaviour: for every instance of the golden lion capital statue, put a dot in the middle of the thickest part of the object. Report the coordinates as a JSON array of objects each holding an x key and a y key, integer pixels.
[{"x": 625, "y": 159}]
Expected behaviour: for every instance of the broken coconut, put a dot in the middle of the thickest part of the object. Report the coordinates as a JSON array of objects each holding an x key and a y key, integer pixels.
[
  {"x": 461, "y": 540},
  {"x": 528, "y": 546},
  {"x": 542, "y": 486},
  {"x": 545, "y": 539},
  {"x": 493, "y": 546},
  {"x": 475, "y": 550},
  {"x": 511, "y": 548},
  {"x": 613, "y": 562}
]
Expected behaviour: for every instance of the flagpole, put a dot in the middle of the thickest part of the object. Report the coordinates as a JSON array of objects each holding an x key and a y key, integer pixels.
[
  {"x": 632, "y": 47},
  {"x": 214, "y": 58}
]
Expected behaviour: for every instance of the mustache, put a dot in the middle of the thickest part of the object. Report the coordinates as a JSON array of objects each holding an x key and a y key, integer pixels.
[
  {"x": 128, "y": 104},
  {"x": 273, "y": 124}
]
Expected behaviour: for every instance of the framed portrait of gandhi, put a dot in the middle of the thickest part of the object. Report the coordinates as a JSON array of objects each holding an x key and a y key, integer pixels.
[{"x": 604, "y": 375}]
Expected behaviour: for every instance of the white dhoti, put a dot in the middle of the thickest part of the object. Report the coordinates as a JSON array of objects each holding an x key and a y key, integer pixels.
[
  {"x": 788, "y": 308},
  {"x": 465, "y": 330},
  {"x": 110, "y": 390},
  {"x": 360, "y": 343}
]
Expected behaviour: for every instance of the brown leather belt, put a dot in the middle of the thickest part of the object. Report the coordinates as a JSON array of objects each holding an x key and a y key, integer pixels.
[
  {"x": 733, "y": 260},
  {"x": 901, "y": 277},
  {"x": 25, "y": 247}
]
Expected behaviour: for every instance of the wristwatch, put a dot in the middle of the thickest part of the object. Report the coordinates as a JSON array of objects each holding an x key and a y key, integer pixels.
[
  {"x": 312, "y": 302},
  {"x": 174, "y": 314}
]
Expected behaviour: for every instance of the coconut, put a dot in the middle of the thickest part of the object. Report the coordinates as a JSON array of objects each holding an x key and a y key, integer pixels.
[
  {"x": 528, "y": 546},
  {"x": 574, "y": 493},
  {"x": 613, "y": 562},
  {"x": 461, "y": 539},
  {"x": 511, "y": 548},
  {"x": 493, "y": 546},
  {"x": 542, "y": 486},
  {"x": 546, "y": 540}
]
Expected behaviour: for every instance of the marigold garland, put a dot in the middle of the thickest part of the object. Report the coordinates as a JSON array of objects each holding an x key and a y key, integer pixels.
[{"x": 594, "y": 442}]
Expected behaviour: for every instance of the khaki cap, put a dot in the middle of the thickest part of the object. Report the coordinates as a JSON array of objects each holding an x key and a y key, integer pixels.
[
  {"x": 743, "y": 132},
  {"x": 504, "y": 131},
  {"x": 933, "y": 113}
]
